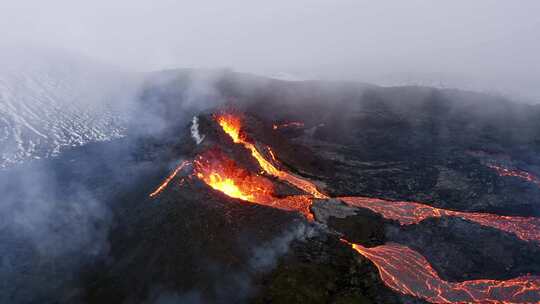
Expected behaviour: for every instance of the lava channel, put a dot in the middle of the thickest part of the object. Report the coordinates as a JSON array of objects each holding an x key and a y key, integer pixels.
[
  {"x": 169, "y": 178},
  {"x": 524, "y": 175},
  {"x": 232, "y": 125},
  {"x": 408, "y": 272},
  {"x": 224, "y": 175},
  {"x": 409, "y": 213}
]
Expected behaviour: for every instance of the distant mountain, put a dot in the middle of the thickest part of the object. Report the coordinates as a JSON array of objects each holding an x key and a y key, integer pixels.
[{"x": 50, "y": 100}]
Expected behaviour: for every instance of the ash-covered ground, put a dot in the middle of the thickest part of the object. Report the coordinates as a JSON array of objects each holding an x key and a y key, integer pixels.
[{"x": 192, "y": 244}]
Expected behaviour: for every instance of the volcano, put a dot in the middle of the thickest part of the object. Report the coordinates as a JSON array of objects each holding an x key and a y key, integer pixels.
[{"x": 268, "y": 191}]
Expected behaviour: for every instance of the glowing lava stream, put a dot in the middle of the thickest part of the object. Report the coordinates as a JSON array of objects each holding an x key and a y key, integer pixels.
[
  {"x": 401, "y": 268},
  {"x": 408, "y": 272},
  {"x": 222, "y": 174},
  {"x": 232, "y": 124},
  {"x": 408, "y": 213},
  {"x": 502, "y": 171},
  {"x": 169, "y": 178}
]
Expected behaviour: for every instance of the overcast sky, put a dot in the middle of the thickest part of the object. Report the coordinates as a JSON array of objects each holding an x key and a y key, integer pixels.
[{"x": 486, "y": 44}]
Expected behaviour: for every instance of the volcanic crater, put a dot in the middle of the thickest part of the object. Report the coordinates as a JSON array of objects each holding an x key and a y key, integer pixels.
[{"x": 311, "y": 192}]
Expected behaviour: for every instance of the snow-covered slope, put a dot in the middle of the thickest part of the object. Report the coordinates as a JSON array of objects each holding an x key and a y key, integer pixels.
[{"x": 52, "y": 100}]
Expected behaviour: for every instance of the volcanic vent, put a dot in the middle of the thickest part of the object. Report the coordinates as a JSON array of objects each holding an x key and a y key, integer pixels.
[{"x": 401, "y": 268}]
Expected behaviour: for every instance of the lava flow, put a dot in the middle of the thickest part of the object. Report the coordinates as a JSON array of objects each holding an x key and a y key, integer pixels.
[
  {"x": 408, "y": 272},
  {"x": 502, "y": 171},
  {"x": 169, "y": 178},
  {"x": 401, "y": 268},
  {"x": 224, "y": 175},
  {"x": 232, "y": 125},
  {"x": 408, "y": 213}
]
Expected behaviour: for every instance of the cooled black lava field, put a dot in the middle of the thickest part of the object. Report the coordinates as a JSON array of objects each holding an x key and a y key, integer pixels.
[{"x": 419, "y": 195}]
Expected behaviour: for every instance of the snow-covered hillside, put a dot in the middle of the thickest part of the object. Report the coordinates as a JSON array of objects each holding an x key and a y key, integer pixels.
[{"x": 52, "y": 100}]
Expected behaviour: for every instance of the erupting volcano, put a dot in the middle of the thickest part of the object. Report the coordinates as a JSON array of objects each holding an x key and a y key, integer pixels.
[
  {"x": 232, "y": 125},
  {"x": 401, "y": 268},
  {"x": 223, "y": 174}
]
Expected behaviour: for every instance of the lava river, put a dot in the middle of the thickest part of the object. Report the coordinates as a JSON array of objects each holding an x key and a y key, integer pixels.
[
  {"x": 401, "y": 268},
  {"x": 408, "y": 213},
  {"x": 408, "y": 272},
  {"x": 524, "y": 175}
]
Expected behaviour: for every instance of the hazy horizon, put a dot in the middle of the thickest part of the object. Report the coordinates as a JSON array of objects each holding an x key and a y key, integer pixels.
[{"x": 484, "y": 45}]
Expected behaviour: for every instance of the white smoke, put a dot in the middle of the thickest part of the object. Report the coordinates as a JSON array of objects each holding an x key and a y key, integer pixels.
[
  {"x": 266, "y": 256},
  {"x": 195, "y": 130}
]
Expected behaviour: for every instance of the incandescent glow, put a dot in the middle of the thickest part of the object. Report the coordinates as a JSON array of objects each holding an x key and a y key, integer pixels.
[
  {"x": 408, "y": 272},
  {"x": 227, "y": 186},
  {"x": 232, "y": 125},
  {"x": 524, "y": 175},
  {"x": 401, "y": 268},
  {"x": 408, "y": 213},
  {"x": 222, "y": 174},
  {"x": 169, "y": 178}
]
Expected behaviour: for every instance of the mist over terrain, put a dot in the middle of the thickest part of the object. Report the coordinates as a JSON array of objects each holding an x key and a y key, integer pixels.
[
  {"x": 484, "y": 45},
  {"x": 414, "y": 101}
]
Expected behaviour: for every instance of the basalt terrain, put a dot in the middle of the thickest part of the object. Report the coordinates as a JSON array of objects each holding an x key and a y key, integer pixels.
[{"x": 255, "y": 190}]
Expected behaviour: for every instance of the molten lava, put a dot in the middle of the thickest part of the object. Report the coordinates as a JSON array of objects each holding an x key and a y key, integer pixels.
[
  {"x": 502, "y": 171},
  {"x": 295, "y": 124},
  {"x": 232, "y": 125},
  {"x": 222, "y": 174},
  {"x": 408, "y": 272},
  {"x": 408, "y": 213},
  {"x": 299, "y": 203},
  {"x": 401, "y": 268},
  {"x": 169, "y": 178}
]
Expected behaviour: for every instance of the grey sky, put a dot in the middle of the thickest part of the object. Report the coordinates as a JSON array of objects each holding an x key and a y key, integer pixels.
[{"x": 486, "y": 44}]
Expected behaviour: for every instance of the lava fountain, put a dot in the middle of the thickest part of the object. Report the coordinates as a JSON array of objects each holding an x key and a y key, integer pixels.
[
  {"x": 224, "y": 175},
  {"x": 408, "y": 272},
  {"x": 232, "y": 125}
]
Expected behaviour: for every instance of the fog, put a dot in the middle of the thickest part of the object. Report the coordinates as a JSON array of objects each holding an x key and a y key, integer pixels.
[{"x": 485, "y": 45}]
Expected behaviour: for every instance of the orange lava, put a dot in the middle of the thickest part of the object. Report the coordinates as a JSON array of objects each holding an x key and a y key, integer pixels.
[
  {"x": 295, "y": 124},
  {"x": 502, "y": 171},
  {"x": 169, "y": 178},
  {"x": 222, "y": 174},
  {"x": 232, "y": 124},
  {"x": 401, "y": 268},
  {"x": 299, "y": 203},
  {"x": 408, "y": 213},
  {"x": 408, "y": 272}
]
